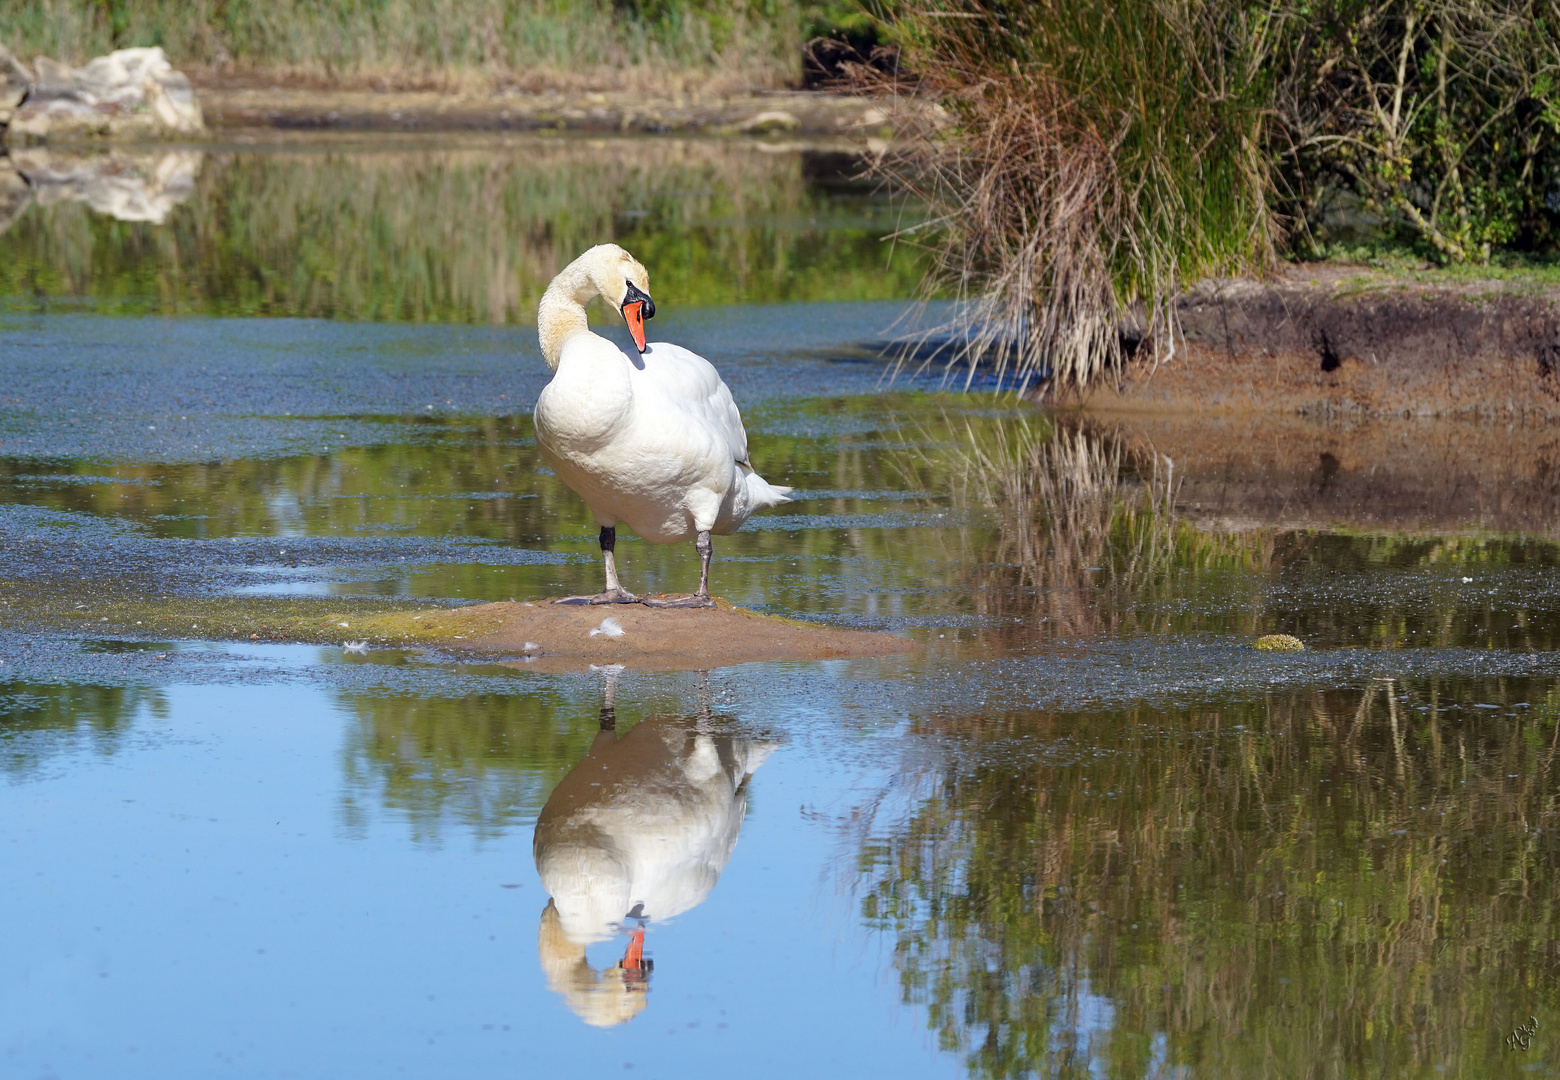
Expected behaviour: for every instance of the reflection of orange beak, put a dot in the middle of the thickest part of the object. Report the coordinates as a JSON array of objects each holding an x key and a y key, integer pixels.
[
  {"x": 633, "y": 961},
  {"x": 633, "y": 312}
]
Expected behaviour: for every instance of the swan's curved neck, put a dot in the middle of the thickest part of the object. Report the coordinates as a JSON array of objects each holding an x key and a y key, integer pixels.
[{"x": 561, "y": 314}]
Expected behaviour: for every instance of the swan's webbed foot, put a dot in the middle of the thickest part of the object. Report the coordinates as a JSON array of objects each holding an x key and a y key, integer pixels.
[
  {"x": 613, "y": 593},
  {"x": 701, "y": 598},
  {"x": 694, "y": 601},
  {"x": 619, "y": 595}
]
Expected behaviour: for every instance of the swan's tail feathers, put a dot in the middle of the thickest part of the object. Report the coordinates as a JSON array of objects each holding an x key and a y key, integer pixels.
[{"x": 761, "y": 493}]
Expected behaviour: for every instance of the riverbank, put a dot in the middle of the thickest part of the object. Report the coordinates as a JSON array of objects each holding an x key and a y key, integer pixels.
[
  {"x": 774, "y": 114},
  {"x": 1332, "y": 340}
]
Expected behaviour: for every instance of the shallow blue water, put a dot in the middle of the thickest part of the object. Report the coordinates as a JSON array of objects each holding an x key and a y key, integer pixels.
[
  {"x": 218, "y": 913},
  {"x": 1086, "y": 831}
]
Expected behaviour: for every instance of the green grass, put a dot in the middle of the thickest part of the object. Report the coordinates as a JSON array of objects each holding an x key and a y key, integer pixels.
[
  {"x": 660, "y": 44},
  {"x": 1517, "y": 268}
]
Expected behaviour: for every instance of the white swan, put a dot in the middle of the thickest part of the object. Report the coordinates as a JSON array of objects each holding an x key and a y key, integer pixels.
[{"x": 655, "y": 440}]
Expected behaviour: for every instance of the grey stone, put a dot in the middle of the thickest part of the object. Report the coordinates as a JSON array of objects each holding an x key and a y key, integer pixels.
[
  {"x": 129, "y": 94},
  {"x": 14, "y": 82}
]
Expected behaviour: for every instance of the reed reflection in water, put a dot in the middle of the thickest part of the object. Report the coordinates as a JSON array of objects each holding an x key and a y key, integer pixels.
[
  {"x": 639, "y": 830},
  {"x": 1091, "y": 538},
  {"x": 1346, "y": 882},
  {"x": 1088, "y": 540},
  {"x": 464, "y": 230}
]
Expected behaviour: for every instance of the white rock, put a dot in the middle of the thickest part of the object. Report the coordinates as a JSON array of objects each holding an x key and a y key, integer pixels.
[
  {"x": 129, "y": 94},
  {"x": 770, "y": 122}
]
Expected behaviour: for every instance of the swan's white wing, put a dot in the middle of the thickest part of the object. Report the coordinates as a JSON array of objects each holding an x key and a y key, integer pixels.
[{"x": 691, "y": 384}]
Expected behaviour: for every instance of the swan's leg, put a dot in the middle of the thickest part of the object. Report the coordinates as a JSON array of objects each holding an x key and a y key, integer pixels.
[
  {"x": 706, "y": 548},
  {"x": 608, "y": 706},
  {"x": 609, "y": 559},
  {"x": 614, "y": 593}
]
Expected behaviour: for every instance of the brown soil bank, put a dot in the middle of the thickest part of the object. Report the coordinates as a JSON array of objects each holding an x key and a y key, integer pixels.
[
  {"x": 1340, "y": 342},
  {"x": 554, "y": 637}
]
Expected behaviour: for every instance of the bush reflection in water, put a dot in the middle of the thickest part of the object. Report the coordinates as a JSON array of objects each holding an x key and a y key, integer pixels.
[
  {"x": 40, "y": 721},
  {"x": 465, "y": 233},
  {"x": 1308, "y": 884},
  {"x": 1342, "y": 881}
]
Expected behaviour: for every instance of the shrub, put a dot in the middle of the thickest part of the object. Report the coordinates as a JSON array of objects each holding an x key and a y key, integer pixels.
[{"x": 1440, "y": 116}]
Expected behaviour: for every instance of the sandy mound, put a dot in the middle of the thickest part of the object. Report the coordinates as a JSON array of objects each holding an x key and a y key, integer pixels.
[{"x": 558, "y": 636}]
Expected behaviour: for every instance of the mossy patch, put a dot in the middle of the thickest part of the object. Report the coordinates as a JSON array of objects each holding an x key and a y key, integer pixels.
[{"x": 1278, "y": 643}]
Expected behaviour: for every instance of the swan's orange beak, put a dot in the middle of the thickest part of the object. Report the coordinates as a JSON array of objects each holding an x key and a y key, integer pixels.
[
  {"x": 633, "y": 312},
  {"x": 637, "y": 307}
]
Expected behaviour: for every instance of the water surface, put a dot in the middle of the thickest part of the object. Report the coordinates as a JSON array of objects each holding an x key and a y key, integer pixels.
[{"x": 1085, "y": 831}]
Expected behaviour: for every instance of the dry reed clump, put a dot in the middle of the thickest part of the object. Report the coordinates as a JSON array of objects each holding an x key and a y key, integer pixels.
[
  {"x": 672, "y": 46},
  {"x": 1097, "y": 158}
]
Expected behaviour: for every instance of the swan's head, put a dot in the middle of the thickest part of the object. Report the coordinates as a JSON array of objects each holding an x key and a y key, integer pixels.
[
  {"x": 624, "y": 284},
  {"x": 603, "y": 998}
]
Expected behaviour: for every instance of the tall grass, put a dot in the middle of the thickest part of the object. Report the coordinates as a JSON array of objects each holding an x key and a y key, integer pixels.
[
  {"x": 1101, "y": 157},
  {"x": 530, "y": 44}
]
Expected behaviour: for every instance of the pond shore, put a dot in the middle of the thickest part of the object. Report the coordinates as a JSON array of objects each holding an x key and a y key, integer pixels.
[
  {"x": 777, "y": 113},
  {"x": 1326, "y": 340}
]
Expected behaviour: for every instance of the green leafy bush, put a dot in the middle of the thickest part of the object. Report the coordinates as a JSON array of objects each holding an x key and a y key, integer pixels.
[{"x": 1441, "y": 116}]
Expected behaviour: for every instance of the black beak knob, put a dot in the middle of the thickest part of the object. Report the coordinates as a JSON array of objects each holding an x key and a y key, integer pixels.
[{"x": 636, "y": 293}]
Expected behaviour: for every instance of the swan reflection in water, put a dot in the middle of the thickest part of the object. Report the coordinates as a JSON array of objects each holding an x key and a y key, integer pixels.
[{"x": 639, "y": 830}]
